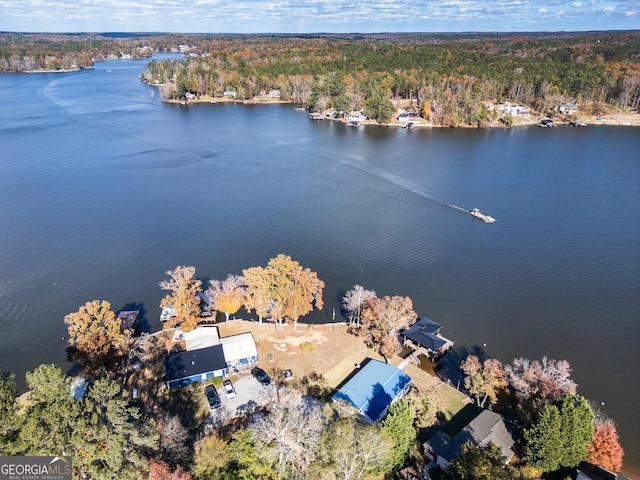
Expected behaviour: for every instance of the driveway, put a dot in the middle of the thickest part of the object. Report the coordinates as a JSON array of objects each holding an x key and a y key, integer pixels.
[{"x": 250, "y": 394}]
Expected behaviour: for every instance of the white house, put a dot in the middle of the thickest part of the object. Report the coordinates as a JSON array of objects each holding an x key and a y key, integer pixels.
[
  {"x": 239, "y": 351},
  {"x": 356, "y": 117}
]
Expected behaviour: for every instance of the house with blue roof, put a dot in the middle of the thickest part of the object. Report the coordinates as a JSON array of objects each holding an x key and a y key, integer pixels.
[{"x": 373, "y": 388}]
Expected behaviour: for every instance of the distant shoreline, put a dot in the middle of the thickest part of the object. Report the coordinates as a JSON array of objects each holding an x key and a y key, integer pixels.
[{"x": 622, "y": 119}]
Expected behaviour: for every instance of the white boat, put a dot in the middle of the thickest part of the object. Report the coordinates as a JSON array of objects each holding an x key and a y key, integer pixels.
[{"x": 486, "y": 218}]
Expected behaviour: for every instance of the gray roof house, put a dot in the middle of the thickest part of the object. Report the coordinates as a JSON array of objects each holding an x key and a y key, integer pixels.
[
  {"x": 424, "y": 337},
  {"x": 487, "y": 427},
  {"x": 189, "y": 366}
]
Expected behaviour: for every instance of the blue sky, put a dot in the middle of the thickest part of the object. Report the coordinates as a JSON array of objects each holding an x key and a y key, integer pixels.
[{"x": 307, "y": 16}]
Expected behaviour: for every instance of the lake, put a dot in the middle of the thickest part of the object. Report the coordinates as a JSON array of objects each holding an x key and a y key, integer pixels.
[{"x": 103, "y": 188}]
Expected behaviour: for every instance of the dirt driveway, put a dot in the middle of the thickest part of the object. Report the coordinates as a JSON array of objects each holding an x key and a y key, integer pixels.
[{"x": 250, "y": 394}]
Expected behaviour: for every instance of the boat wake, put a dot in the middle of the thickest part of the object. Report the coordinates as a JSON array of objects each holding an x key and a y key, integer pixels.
[{"x": 402, "y": 183}]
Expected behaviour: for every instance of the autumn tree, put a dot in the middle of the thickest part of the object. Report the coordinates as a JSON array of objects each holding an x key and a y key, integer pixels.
[
  {"x": 159, "y": 470},
  {"x": 605, "y": 449},
  {"x": 287, "y": 433},
  {"x": 483, "y": 379},
  {"x": 283, "y": 289},
  {"x": 382, "y": 320},
  {"x": 227, "y": 295},
  {"x": 94, "y": 334},
  {"x": 355, "y": 300},
  {"x": 561, "y": 434},
  {"x": 183, "y": 298}
]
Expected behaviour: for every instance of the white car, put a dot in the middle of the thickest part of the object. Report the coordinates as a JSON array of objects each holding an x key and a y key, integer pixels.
[{"x": 229, "y": 391}]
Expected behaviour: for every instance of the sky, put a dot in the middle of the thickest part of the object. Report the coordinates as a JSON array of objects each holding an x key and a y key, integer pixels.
[{"x": 312, "y": 16}]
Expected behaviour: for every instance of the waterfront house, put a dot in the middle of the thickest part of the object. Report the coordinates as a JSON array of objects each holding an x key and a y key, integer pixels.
[
  {"x": 403, "y": 117},
  {"x": 128, "y": 319},
  {"x": 487, "y": 427},
  {"x": 189, "y": 366},
  {"x": 274, "y": 93},
  {"x": 373, "y": 388},
  {"x": 240, "y": 351},
  {"x": 355, "y": 118},
  {"x": 425, "y": 339},
  {"x": 567, "y": 109}
]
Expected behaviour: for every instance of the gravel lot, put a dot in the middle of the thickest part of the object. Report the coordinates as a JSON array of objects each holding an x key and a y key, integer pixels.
[{"x": 249, "y": 395}]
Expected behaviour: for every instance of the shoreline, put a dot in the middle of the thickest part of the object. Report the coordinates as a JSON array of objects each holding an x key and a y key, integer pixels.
[{"x": 617, "y": 119}]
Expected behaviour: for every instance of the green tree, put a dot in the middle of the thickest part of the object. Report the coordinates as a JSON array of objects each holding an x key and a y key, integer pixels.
[
  {"x": 110, "y": 438},
  {"x": 561, "y": 434},
  {"x": 244, "y": 461},
  {"x": 211, "y": 456},
  {"x": 95, "y": 335},
  {"x": 8, "y": 421},
  {"x": 475, "y": 463},
  {"x": 399, "y": 426},
  {"x": 49, "y": 419},
  {"x": 183, "y": 298},
  {"x": 379, "y": 107}
]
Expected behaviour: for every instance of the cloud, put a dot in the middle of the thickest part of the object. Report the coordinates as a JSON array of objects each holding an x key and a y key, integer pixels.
[{"x": 315, "y": 15}]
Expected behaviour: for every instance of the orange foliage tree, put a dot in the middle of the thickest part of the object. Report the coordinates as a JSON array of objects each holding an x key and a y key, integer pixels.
[
  {"x": 183, "y": 298},
  {"x": 227, "y": 295},
  {"x": 605, "y": 449},
  {"x": 382, "y": 320}
]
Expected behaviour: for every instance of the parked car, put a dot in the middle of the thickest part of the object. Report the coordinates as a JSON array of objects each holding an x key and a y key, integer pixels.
[
  {"x": 229, "y": 391},
  {"x": 212, "y": 396},
  {"x": 260, "y": 375}
]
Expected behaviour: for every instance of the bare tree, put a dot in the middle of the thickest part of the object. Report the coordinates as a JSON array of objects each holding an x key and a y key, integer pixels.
[
  {"x": 288, "y": 432},
  {"x": 540, "y": 382},
  {"x": 173, "y": 437},
  {"x": 354, "y": 450},
  {"x": 355, "y": 300}
]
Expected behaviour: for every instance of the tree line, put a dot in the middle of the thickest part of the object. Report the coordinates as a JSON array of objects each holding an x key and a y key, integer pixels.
[{"x": 449, "y": 78}]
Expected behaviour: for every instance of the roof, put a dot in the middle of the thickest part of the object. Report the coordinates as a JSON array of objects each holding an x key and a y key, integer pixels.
[
  {"x": 594, "y": 472},
  {"x": 201, "y": 337},
  {"x": 373, "y": 388},
  {"x": 425, "y": 333},
  {"x": 189, "y": 363},
  {"x": 78, "y": 387},
  {"x": 128, "y": 319},
  {"x": 488, "y": 427},
  {"x": 239, "y": 346}
]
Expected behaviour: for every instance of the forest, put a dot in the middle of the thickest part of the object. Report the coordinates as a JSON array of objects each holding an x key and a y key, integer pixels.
[{"x": 448, "y": 78}]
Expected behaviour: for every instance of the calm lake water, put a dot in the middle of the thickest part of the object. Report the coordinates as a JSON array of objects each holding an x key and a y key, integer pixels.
[{"x": 103, "y": 188}]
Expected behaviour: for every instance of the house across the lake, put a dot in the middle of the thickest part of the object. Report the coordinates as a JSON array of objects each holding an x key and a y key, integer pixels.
[
  {"x": 425, "y": 339},
  {"x": 373, "y": 388},
  {"x": 487, "y": 427}
]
